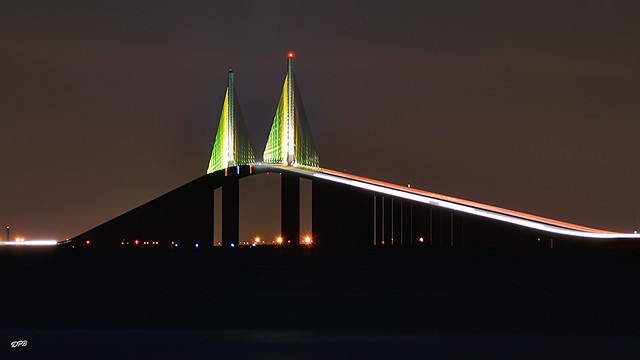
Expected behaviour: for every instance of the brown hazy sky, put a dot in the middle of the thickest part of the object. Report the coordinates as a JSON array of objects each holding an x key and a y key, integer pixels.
[{"x": 532, "y": 106}]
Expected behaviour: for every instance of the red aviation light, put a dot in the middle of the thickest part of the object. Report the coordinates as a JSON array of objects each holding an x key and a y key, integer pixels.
[{"x": 290, "y": 55}]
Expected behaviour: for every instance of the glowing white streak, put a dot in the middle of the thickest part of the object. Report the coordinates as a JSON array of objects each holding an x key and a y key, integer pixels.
[
  {"x": 30, "y": 243},
  {"x": 290, "y": 112},
  {"x": 231, "y": 117},
  {"x": 475, "y": 211}
]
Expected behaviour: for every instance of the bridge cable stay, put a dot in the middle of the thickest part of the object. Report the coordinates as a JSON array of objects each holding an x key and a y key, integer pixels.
[
  {"x": 232, "y": 146},
  {"x": 290, "y": 141}
]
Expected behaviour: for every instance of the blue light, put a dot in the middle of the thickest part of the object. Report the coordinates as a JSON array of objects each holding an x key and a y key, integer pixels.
[
  {"x": 176, "y": 245},
  {"x": 233, "y": 245},
  {"x": 238, "y": 169},
  {"x": 197, "y": 245},
  {"x": 253, "y": 245}
]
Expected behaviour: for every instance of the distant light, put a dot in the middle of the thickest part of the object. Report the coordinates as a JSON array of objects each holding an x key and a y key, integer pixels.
[
  {"x": 238, "y": 169},
  {"x": 421, "y": 239},
  {"x": 29, "y": 242},
  {"x": 176, "y": 245},
  {"x": 253, "y": 245},
  {"x": 197, "y": 245},
  {"x": 257, "y": 239},
  {"x": 88, "y": 242},
  {"x": 290, "y": 55},
  {"x": 307, "y": 240},
  {"x": 279, "y": 240},
  {"x": 233, "y": 245},
  {"x": 137, "y": 242}
]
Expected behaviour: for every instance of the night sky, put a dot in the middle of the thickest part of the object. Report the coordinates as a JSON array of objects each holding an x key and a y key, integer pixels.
[{"x": 532, "y": 106}]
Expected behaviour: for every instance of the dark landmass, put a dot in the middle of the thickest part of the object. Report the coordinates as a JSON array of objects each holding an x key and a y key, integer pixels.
[{"x": 277, "y": 304}]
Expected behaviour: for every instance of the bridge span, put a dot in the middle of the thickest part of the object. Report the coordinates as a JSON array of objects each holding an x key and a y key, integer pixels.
[{"x": 348, "y": 211}]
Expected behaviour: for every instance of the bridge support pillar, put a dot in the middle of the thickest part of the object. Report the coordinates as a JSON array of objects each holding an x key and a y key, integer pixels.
[
  {"x": 458, "y": 230},
  {"x": 290, "y": 209},
  {"x": 342, "y": 216},
  {"x": 397, "y": 222},
  {"x": 436, "y": 227},
  {"x": 407, "y": 223},
  {"x": 387, "y": 221},
  {"x": 230, "y": 209}
]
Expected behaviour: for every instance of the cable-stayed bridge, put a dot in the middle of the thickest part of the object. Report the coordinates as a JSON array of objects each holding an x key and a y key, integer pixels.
[{"x": 348, "y": 211}]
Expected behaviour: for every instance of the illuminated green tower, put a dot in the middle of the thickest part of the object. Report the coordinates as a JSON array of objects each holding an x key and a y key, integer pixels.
[
  {"x": 290, "y": 141},
  {"x": 232, "y": 145}
]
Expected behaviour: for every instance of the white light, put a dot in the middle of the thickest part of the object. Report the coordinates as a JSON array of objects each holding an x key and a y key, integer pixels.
[
  {"x": 30, "y": 243},
  {"x": 476, "y": 211},
  {"x": 480, "y": 210}
]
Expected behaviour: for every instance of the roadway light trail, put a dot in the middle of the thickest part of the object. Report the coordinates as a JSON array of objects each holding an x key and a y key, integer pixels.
[{"x": 464, "y": 206}]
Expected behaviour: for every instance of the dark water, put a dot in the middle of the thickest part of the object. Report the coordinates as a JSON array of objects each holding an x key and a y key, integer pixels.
[{"x": 264, "y": 304}]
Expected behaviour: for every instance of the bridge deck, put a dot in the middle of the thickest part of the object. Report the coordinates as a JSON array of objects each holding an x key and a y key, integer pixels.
[{"x": 444, "y": 201}]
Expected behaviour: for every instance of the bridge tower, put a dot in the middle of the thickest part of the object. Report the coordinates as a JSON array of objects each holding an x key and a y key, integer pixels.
[
  {"x": 232, "y": 146},
  {"x": 290, "y": 142},
  {"x": 231, "y": 149}
]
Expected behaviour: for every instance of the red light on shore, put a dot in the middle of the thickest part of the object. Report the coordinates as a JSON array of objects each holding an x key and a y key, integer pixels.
[
  {"x": 88, "y": 242},
  {"x": 290, "y": 55},
  {"x": 137, "y": 242}
]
